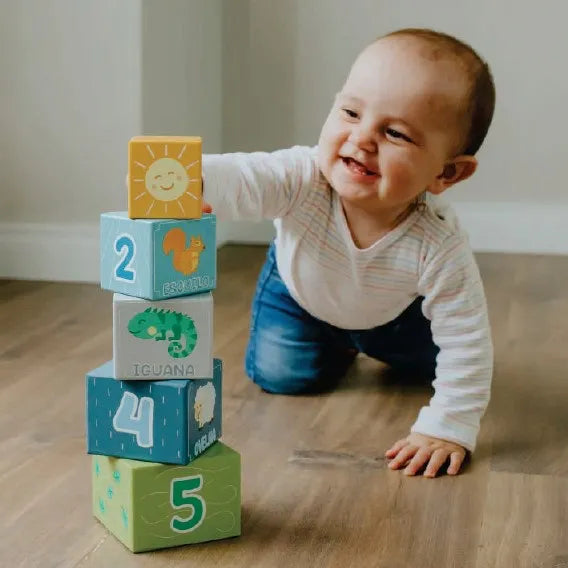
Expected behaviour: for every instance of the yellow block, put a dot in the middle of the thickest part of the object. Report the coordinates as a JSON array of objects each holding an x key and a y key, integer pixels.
[{"x": 164, "y": 177}]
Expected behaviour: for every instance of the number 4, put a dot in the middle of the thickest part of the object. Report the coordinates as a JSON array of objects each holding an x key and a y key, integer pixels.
[
  {"x": 136, "y": 417},
  {"x": 181, "y": 497}
]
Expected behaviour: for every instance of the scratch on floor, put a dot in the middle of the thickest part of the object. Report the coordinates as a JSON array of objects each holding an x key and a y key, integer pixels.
[
  {"x": 97, "y": 546},
  {"x": 335, "y": 459}
]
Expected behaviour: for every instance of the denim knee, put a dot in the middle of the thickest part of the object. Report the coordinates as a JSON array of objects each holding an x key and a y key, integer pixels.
[
  {"x": 289, "y": 351},
  {"x": 280, "y": 368}
]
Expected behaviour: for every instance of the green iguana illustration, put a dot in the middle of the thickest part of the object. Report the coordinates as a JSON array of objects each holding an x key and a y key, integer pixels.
[{"x": 154, "y": 323}]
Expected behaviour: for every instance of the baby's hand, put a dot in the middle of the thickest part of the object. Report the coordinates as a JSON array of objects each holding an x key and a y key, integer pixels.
[
  {"x": 205, "y": 207},
  {"x": 419, "y": 449}
]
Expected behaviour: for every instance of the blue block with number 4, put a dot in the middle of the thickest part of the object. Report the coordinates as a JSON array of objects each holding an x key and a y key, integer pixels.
[
  {"x": 165, "y": 421},
  {"x": 157, "y": 258}
]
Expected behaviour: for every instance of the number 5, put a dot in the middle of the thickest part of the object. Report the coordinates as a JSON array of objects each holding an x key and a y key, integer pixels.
[{"x": 181, "y": 497}]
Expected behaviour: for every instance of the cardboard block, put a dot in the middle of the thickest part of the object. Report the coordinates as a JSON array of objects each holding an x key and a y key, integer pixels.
[
  {"x": 164, "y": 177},
  {"x": 149, "y": 506},
  {"x": 160, "y": 421},
  {"x": 157, "y": 259},
  {"x": 166, "y": 339}
]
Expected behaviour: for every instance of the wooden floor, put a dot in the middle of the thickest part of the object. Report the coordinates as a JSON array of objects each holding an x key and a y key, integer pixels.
[{"x": 316, "y": 492}]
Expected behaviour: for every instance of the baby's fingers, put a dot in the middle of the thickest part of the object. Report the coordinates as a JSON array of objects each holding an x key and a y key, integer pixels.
[
  {"x": 421, "y": 457},
  {"x": 403, "y": 456},
  {"x": 437, "y": 460},
  {"x": 456, "y": 459},
  {"x": 396, "y": 447}
]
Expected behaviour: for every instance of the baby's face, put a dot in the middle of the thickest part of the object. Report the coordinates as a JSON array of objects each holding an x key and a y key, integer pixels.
[{"x": 392, "y": 126}]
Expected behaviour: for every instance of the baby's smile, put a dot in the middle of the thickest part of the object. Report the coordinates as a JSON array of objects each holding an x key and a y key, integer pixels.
[{"x": 357, "y": 166}]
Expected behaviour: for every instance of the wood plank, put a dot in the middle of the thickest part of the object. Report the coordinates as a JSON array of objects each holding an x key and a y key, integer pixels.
[
  {"x": 316, "y": 489},
  {"x": 524, "y": 522}
]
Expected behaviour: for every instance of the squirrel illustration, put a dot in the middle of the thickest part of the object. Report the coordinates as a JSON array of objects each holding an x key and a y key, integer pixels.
[{"x": 185, "y": 260}]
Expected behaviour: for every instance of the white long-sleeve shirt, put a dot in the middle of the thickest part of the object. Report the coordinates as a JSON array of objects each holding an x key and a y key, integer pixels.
[{"x": 428, "y": 255}]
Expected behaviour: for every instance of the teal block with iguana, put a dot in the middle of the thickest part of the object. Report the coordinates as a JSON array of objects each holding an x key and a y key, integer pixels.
[
  {"x": 157, "y": 258},
  {"x": 165, "y": 339},
  {"x": 149, "y": 506}
]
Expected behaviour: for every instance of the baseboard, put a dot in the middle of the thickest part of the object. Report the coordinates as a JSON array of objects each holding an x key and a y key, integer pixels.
[
  {"x": 35, "y": 251},
  {"x": 523, "y": 228}
]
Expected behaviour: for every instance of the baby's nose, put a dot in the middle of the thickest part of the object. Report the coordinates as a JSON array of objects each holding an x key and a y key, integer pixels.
[{"x": 364, "y": 137}]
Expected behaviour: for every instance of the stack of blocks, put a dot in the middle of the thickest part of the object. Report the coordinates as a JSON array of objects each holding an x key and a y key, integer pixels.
[{"x": 160, "y": 475}]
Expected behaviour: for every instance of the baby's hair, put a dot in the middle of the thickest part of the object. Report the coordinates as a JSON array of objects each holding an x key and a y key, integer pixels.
[{"x": 479, "y": 104}]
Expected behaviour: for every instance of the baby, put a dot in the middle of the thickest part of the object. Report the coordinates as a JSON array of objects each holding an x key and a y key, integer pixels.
[{"x": 366, "y": 258}]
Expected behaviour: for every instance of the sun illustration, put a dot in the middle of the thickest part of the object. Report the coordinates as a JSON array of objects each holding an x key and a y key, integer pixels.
[{"x": 164, "y": 177}]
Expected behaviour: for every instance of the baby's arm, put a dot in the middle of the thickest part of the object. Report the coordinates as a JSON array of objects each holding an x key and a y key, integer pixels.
[
  {"x": 456, "y": 305},
  {"x": 257, "y": 185}
]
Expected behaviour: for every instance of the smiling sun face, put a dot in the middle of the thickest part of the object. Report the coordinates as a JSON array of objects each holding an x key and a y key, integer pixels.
[{"x": 164, "y": 177}]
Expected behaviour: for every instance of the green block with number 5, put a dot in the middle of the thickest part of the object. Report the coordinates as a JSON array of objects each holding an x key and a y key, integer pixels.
[{"x": 150, "y": 505}]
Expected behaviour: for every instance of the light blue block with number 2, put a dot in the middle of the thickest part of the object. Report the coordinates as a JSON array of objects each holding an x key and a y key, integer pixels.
[
  {"x": 171, "y": 421},
  {"x": 157, "y": 258}
]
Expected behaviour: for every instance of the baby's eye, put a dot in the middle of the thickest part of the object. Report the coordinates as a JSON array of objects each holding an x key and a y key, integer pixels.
[
  {"x": 396, "y": 134},
  {"x": 350, "y": 113}
]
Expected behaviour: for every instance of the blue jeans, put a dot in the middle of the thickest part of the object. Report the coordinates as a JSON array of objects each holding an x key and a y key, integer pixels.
[{"x": 290, "y": 351}]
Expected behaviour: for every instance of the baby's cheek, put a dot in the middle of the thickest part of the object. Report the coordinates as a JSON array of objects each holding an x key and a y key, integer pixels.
[
  {"x": 330, "y": 138},
  {"x": 402, "y": 173}
]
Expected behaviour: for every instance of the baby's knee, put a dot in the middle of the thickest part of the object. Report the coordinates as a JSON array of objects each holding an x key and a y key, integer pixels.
[
  {"x": 280, "y": 369},
  {"x": 279, "y": 378},
  {"x": 279, "y": 383}
]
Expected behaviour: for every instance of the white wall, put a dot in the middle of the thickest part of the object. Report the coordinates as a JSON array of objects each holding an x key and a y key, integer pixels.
[
  {"x": 182, "y": 74},
  {"x": 182, "y": 70},
  {"x": 78, "y": 79},
  {"x": 70, "y": 100}
]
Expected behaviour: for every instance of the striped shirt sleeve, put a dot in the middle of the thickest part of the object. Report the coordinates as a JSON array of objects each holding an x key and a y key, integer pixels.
[
  {"x": 257, "y": 185},
  {"x": 455, "y": 303}
]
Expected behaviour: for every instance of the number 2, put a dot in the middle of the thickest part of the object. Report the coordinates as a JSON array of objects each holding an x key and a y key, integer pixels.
[
  {"x": 136, "y": 417},
  {"x": 182, "y": 496},
  {"x": 122, "y": 270}
]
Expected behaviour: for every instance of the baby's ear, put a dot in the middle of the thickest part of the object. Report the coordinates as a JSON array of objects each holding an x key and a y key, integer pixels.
[{"x": 459, "y": 169}]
